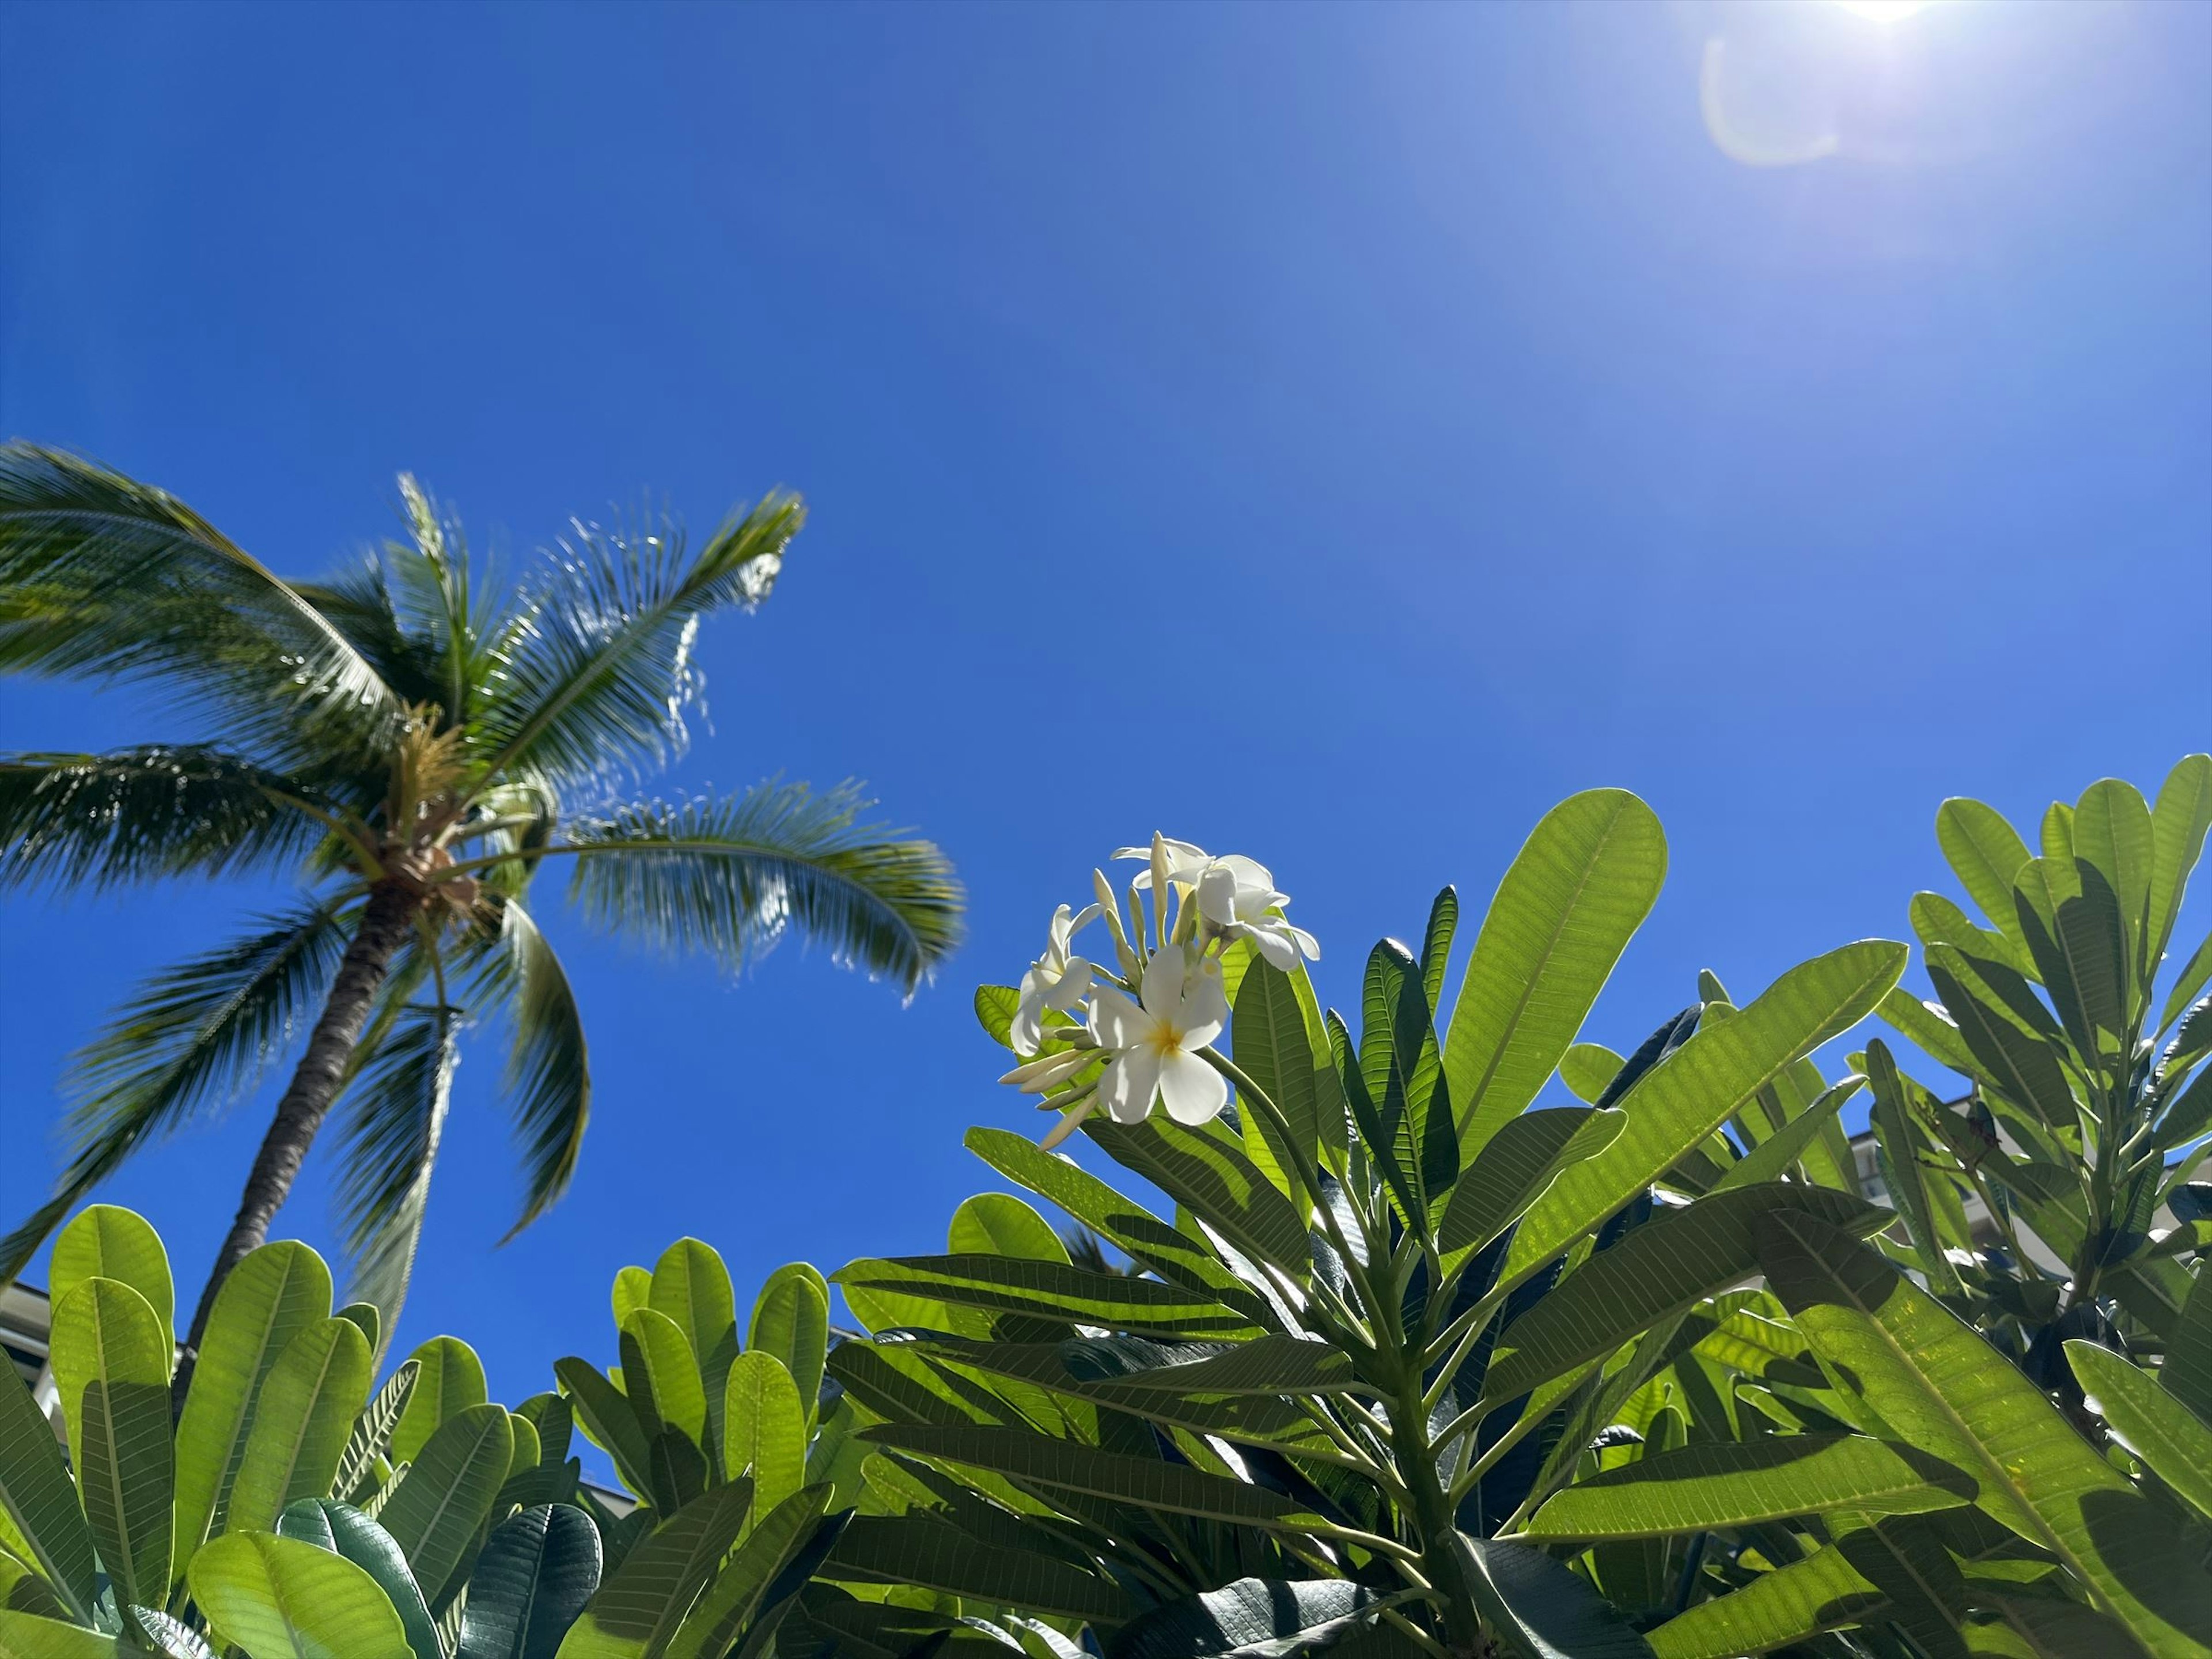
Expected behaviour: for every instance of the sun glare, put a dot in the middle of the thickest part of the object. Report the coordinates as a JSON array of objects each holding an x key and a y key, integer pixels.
[{"x": 1884, "y": 12}]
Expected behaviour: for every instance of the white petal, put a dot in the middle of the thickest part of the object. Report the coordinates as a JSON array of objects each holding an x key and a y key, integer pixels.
[
  {"x": 1130, "y": 1082},
  {"x": 1217, "y": 894},
  {"x": 1057, "y": 934},
  {"x": 1192, "y": 1091},
  {"x": 1164, "y": 981},
  {"x": 1084, "y": 918},
  {"x": 1307, "y": 943},
  {"x": 1274, "y": 945},
  {"x": 1249, "y": 873},
  {"x": 1115, "y": 1021},
  {"x": 1074, "y": 985}
]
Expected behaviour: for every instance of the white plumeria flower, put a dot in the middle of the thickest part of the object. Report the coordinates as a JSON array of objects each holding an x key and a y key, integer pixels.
[
  {"x": 1236, "y": 893},
  {"x": 1055, "y": 979},
  {"x": 1156, "y": 1041},
  {"x": 1238, "y": 896}
]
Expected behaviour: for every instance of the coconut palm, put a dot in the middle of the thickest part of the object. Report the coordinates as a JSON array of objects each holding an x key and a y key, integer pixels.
[{"x": 413, "y": 741}]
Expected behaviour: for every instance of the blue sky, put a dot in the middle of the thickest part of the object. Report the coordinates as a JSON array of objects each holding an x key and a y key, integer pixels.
[{"x": 1333, "y": 434}]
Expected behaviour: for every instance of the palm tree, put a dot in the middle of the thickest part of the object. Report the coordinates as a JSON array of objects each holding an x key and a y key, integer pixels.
[{"x": 414, "y": 742}]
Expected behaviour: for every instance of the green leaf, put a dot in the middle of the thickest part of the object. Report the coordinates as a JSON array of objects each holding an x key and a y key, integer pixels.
[
  {"x": 2187, "y": 1373},
  {"x": 2112, "y": 832},
  {"x": 1931, "y": 1028},
  {"x": 106, "y": 1241},
  {"x": 2178, "y": 824},
  {"x": 610, "y": 1419},
  {"x": 1049, "y": 1289},
  {"x": 692, "y": 1286},
  {"x": 170, "y": 1637},
  {"x": 531, "y": 1581},
  {"x": 438, "y": 1510},
  {"x": 633, "y": 1289},
  {"x": 1030, "y": 1459},
  {"x": 1272, "y": 1038},
  {"x": 28, "y": 1636},
  {"x": 39, "y": 1511},
  {"x": 1718, "y": 1484},
  {"x": 1895, "y": 1100},
  {"x": 1211, "y": 1174},
  {"x": 1265, "y": 1365},
  {"x": 2157, "y": 1427},
  {"x": 302, "y": 1424},
  {"x": 659, "y": 1366},
  {"x": 1542, "y": 1608},
  {"x": 767, "y": 1428},
  {"x": 111, "y": 1362},
  {"x": 278, "y": 1599},
  {"x": 1986, "y": 1001},
  {"x": 636, "y": 1615},
  {"x": 1986, "y": 854},
  {"x": 1251, "y": 1618},
  {"x": 918, "y": 1549},
  {"x": 450, "y": 1379},
  {"x": 1587, "y": 1067},
  {"x": 1702, "y": 1083},
  {"x": 1772, "y": 1158},
  {"x": 773, "y": 1543},
  {"x": 791, "y": 1320},
  {"x": 1785, "y": 1605},
  {"x": 1574, "y": 896},
  {"x": 269, "y": 1297},
  {"x": 1936, "y": 1383},
  {"x": 1515, "y": 1167},
  {"x": 371, "y": 1438},
  {"x": 1665, "y": 1267},
  {"x": 1176, "y": 1257},
  {"x": 345, "y": 1529}
]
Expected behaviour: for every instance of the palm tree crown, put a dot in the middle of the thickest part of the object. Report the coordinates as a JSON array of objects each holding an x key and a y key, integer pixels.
[{"x": 416, "y": 743}]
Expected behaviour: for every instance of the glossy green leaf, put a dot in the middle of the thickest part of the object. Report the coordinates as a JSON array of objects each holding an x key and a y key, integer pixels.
[
  {"x": 1272, "y": 1037},
  {"x": 1773, "y": 1157},
  {"x": 1251, "y": 1618},
  {"x": 1210, "y": 1173},
  {"x": 1986, "y": 854},
  {"x": 1004, "y": 1285},
  {"x": 111, "y": 1362},
  {"x": 633, "y": 1289},
  {"x": 1515, "y": 1167},
  {"x": 1787, "y": 1604},
  {"x": 791, "y": 1320},
  {"x": 691, "y": 1286},
  {"x": 435, "y": 1515},
  {"x": 307, "y": 1412},
  {"x": 637, "y": 1614},
  {"x": 1718, "y": 1484},
  {"x": 159, "y": 1633},
  {"x": 2154, "y": 1425},
  {"x": 766, "y": 1434},
  {"x": 607, "y": 1417},
  {"x": 269, "y": 1297},
  {"x": 529, "y": 1583},
  {"x": 2179, "y": 822},
  {"x": 772, "y": 1543},
  {"x": 659, "y": 1365},
  {"x": 1663, "y": 1268},
  {"x": 1702, "y": 1083},
  {"x": 1032, "y": 1459},
  {"x": 104, "y": 1241},
  {"x": 370, "y": 1440},
  {"x": 278, "y": 1599},
  {"x": 28, "y": 1636},
  {"x": 1542, "y": 1608},
  {"x": 450, "y": 1380},
  {"x": 1587, "y": 1067},
  {"x": 2187, "y": 1373},
  {"x": 1939, "y": 1385},
  {"x": 1576, "y": 893},
  {"x": 344, "y": 1529},
  {"x": 918, "y": 1549},
  {"x": 39, "y": 1500}
]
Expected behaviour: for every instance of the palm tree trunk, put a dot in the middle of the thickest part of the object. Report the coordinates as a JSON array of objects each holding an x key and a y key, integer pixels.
[{"x": 384, "y": 925}]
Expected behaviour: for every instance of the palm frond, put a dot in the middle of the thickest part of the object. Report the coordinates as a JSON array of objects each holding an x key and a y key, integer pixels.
[
  {"x": 549, "y": 1075},
  {"x": 102, "y": 576},
  {"x": 143, "y": 814},
  {"x": 598, "y": 673},
  {"x": 395, "y": 1118},
  {"x": 729, "y": 876},
  {"x": 196, "y": 1034}
]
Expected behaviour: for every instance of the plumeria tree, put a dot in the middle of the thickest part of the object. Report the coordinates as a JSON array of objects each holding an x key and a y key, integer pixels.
[{"x": 413, "y": 741}]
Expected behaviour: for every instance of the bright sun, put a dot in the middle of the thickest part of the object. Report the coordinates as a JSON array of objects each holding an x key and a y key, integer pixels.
[{"x": 1884, "y": 12}]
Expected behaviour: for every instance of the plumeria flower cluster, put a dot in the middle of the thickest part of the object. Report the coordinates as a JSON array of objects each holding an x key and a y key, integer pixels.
[{"x": 1150, "y": 1021}]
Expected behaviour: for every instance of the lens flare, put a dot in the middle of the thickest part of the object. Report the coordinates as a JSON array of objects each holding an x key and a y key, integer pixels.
[{"x": 1884, "y": 12}]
